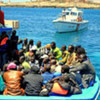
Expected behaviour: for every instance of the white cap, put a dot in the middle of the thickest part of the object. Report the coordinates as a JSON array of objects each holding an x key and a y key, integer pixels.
[{"x": 44, "y": 56}]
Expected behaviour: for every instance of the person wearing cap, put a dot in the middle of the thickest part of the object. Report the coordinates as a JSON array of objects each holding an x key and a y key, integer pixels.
[
  {"x": 55, "y": 51},
  {"x": 86, "y": 70},
  {"x": 33, "y": 82},
  {"x": 12, "y": 79},
  {"x": 65, "y": 54}
]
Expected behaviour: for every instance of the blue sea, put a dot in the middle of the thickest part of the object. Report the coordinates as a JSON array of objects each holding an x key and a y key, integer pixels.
[{"x": 36, "y": 24}]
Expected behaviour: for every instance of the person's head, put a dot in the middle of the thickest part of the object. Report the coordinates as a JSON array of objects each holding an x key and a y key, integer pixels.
[
  {"x": 82, "y": 57},
  {"x": 76, "y": 48},
  {"x": 80, "y": 51},
  {"x": 65, "y": 69},
  {"x": 4, "y": 34},
  {"x": 21, "y": 59},
  {"x": 14, "y": 33},
  {"x": 20, "y": 41},
  {"x": 26, "y": 71},
  {"x": 53, "y": 62},
  {"x": 15, "y": 62},
  {"x": 25, "y": 41},
  {"x": 31, "y": 42},
  {"x": 21, "y": 53},
  {"x": 66, "y": 77},
  {"x": 63, "y": 48},
  {"x": 70, "y": 48},
  {"x": 47, "y": 68},
  {"x": 52, "y": 58},
  {"x": 39, "y": 44},
  {"x": 12, "y": 66},
  {"x": 32, "y": 59},
  {"x": 53, "y": 45},
  {"x": 34, "y": 69},
  {"x": 50, "y": 54},
  {"x": 54, "y": 54},
  {"x": 45, "y": 60}
]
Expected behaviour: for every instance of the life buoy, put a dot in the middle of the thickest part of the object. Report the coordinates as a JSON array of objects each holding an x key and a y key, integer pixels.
[
  {"x": 2, "y": 17},
  {"x": 58, "y": 89}
]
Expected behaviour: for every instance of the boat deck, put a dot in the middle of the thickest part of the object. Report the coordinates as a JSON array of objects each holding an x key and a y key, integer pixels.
[{"x": 90, "y": 93}]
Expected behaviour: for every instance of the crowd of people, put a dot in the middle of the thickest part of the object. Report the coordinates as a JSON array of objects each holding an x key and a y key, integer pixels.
[{"x": 37, "y": 70}]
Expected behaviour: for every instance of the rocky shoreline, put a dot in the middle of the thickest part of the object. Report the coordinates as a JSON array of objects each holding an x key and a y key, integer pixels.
[{"x": 51, "y": 5}]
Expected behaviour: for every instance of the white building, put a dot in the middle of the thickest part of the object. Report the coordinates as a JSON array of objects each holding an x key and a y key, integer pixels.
[{"x": 94, "y": 1}]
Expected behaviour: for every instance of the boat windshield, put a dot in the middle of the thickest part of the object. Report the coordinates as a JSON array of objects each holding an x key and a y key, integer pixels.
[
  {"x": 74, "y": 13},
  {"x": 67, "y": 13}
]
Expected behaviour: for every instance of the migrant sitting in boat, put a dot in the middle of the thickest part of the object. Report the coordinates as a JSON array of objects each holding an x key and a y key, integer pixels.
[{"x": 42, "y": 70}]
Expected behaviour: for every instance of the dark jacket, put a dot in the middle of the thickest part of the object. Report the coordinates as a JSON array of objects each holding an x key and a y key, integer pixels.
[
  {"x": 87, "y": 72},
  {"x": 33, "y": 84}
]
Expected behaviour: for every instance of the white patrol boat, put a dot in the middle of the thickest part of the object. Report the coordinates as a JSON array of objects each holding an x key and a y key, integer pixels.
[{"x": 70, "y": 20}]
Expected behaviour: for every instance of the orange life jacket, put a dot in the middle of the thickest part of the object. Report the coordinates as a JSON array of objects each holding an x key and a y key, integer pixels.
[
  {"x": 78, "y": 19},
  {"x": 3, "y": 42},
  {"x": 2, "y": 17},
  {"x": 58, "y": 89}
]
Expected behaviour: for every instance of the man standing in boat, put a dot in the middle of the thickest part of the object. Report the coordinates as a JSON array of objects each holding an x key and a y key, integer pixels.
[{"x": 64, "y": 14}]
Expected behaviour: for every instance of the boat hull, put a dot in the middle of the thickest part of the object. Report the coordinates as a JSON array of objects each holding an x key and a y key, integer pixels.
[
  {"x": 90, "y": 93},
  {"x": 66, "y": 26}
]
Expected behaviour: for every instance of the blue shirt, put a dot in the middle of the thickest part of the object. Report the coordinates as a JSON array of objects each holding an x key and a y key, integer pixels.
[{"x": 47, "y": 76}]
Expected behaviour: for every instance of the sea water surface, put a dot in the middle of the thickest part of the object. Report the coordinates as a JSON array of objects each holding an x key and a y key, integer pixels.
[{"x": 36, "y": 24}]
